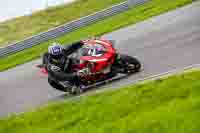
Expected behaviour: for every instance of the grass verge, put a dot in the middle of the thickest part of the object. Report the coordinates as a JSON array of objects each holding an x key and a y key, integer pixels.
[
  {"x": 169, "y": 105},
  {"x": 25, "y": 26},
  {"x": 140, "y": 13}
]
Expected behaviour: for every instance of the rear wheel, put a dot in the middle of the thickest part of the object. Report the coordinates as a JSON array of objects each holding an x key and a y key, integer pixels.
[{"x": 129, "y": 64}]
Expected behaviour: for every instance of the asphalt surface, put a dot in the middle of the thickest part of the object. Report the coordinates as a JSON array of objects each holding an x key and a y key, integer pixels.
[{"x": 163, "y": 43}]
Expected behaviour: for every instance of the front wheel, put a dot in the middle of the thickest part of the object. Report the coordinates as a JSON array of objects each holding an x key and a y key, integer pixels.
[{"x": 128, "y": 64}]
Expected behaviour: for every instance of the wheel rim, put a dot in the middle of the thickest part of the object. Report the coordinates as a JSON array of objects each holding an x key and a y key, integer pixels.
[{"x": 133, "y": 68}]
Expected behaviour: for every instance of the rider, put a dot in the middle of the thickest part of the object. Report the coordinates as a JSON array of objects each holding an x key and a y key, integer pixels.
[
  {"x": 56, "y": 62},
  {"x": 57, "y": 54}
]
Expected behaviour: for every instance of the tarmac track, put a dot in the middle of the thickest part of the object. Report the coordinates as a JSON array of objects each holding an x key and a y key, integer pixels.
[{"x": 163, "y": 43}]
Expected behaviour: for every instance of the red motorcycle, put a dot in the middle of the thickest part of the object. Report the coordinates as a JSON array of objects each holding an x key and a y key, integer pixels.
[{"x": 97, "y": 62}]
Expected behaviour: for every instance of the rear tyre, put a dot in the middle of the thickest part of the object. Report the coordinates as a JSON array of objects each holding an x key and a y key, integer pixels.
[{"x": 129, "y": 64}]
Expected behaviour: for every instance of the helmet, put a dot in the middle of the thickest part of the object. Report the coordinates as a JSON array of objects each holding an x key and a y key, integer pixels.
[{"x": 55, "y": 49}]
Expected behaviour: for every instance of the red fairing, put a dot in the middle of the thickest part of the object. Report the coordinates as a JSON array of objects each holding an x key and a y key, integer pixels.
[{"x": 103, "y": 61}]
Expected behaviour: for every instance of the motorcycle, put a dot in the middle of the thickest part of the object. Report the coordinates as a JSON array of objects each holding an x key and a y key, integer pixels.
[{"x": 93, "y": 67}]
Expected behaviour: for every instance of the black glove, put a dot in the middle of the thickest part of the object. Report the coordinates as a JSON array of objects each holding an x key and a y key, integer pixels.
[{"x": 83, "y": 72}]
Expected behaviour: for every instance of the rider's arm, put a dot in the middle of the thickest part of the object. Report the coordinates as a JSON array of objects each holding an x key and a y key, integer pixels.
[
  {"x": 72, "y": 48},
  {"x": 47, "y": 59}
]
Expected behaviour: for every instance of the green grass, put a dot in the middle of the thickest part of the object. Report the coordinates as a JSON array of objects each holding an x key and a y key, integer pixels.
[
  {"x": 25, "y": 26},
  {"x": 140, "y": 13},
  {"x": 169, "y": 105}
]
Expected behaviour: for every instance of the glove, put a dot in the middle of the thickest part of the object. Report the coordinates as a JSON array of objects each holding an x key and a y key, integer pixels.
[{"x": 83, "y": 72}]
